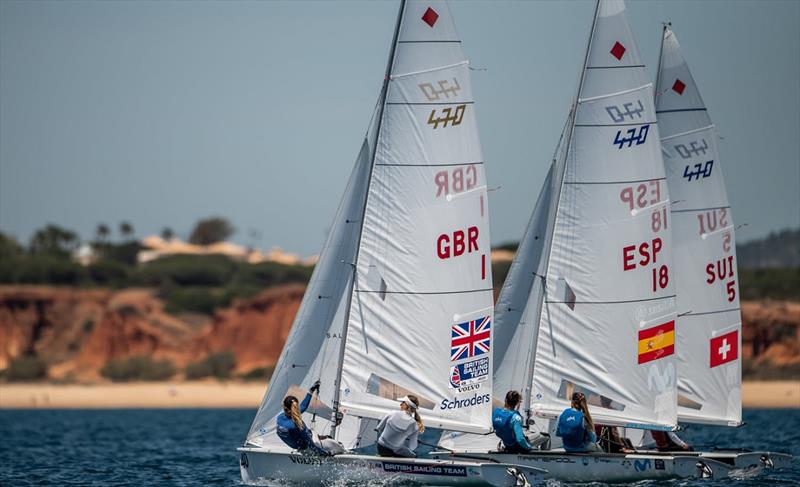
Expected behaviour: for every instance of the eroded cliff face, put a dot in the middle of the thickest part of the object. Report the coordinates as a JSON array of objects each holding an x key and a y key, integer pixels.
[
  {"x": 254, "y": 329},
  {"x": 77, "y": 331},
  {"x": 771, "y": 332}
]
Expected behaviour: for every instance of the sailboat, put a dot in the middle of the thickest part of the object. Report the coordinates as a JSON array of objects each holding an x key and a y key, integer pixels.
[
  {"x": 589, "y": 303},
  {"x": 708, "y": 331},
  {"x": 400, "y": 301}
]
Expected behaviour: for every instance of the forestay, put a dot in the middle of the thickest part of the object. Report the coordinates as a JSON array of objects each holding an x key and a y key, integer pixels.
[
  {"x": 420, "y": 319},
  {"x": 606, "y": 325},
  {"x": 709, "y": 324}
]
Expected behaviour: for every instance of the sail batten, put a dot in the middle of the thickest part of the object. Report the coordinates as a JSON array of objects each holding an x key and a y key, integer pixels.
[{"x": 709, "y": 328}]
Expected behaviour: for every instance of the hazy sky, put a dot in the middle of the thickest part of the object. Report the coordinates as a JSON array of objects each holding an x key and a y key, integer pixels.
[{"x": 161, "y": 113}]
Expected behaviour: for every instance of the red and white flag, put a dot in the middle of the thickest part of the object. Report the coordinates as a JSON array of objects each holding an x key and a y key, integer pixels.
[{"x": 725, "y": 348}]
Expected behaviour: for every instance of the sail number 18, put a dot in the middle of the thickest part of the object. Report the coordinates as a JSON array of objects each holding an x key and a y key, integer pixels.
[{"x": 644, "y": 254}]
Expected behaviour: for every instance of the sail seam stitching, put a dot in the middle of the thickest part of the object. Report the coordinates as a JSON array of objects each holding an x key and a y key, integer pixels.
[
  {"x": 712, "y": 312},
  {"x": 612, "y": 302},
  {"x": 434, "y": 165},
  {"x": 615, "y": 182},
  {"x": 616, "y": 67},
  {"x": 669, "y": 137},
  {"x": 423, "y": 292},
  {"x": 702, "y": 209},
  {"x": 613, "y": 124}
]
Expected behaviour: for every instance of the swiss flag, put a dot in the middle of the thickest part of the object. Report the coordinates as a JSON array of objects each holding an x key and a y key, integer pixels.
[{"x": 725, "y": 348}]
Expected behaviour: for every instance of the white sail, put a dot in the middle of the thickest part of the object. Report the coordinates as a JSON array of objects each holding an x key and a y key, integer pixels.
[
  {"x": 311, "y": 351},
  {"x": 421, "y": 313},
  {"x": 605, "y": 325},
  {"x": 520, "y": 301},
  {"x": 709, "y": 324}
]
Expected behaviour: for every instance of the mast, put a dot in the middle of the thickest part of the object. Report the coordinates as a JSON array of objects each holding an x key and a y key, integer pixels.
[
  {"x": 560, "y": 180},
  {"x": 384, "y": 91},
  {"x": 660, "y": 55}
]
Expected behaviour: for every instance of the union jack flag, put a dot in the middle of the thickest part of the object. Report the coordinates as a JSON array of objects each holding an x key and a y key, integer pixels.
[{"x": 471, "y": 339}]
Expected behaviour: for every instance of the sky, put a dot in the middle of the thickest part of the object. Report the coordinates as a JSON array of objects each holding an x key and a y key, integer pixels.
[{"x": 162, "y": 113}]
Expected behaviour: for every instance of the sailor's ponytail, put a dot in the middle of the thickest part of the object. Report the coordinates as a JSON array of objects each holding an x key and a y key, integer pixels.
[
  {"x": 292, "y": 409},
  {"x": 420, "y": 425}
]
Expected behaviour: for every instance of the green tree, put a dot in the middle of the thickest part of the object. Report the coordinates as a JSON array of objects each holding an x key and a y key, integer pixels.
[
  {"x": 211, "y": 230},
  {"x": 102, "y": 232},
  {"x": 167, "y": 233},
  {"x": 54, "y": 240},
  {"x": 126, "y": 230},
  {"x": 9, "y": 248},
  {"x": 26, "y": 369}
]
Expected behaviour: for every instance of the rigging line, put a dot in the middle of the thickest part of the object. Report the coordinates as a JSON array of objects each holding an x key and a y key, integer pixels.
[
  {"x": 615, "y": 182},
  {"x": 613, "y": 302}
]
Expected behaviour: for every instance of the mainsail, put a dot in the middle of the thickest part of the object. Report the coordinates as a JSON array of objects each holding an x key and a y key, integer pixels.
[
  {"x": 592, "y": 283},
  {"x": 420, "y": 319},
  {"x": 709, "y": 325},
  {"x": 400, "y": 301}
]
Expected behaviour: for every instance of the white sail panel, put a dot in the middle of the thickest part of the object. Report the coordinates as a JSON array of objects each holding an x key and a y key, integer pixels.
[
  {"x": 709, "y": 324},
  {"x": 517, "y": 309},
  {"x": 312, "y": 349},
  {"x": 423, "y": 269},
  {"x": 606, "y": 327}
]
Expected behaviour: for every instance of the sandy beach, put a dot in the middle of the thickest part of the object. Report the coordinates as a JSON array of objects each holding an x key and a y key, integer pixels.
[{"x": 212, "y": 394}]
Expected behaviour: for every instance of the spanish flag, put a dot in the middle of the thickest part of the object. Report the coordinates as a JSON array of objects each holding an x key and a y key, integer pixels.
[{"x": 656, "y": 342}]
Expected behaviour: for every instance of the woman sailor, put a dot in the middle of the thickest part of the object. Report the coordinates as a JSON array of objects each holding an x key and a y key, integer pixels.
[
  {"x": 294, "y": 432},
  {"x": 398, "y": 431},
  {"x": 576, "y": 428}
]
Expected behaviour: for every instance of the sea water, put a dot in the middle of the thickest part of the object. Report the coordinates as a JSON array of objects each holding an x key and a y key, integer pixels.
[{"x": 198, "y": 446}]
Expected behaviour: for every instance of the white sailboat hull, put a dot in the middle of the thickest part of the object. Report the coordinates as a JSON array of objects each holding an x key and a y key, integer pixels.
[
  {"x": 604, "y": 467},
  {"x": 742, "y": 464},
  {"x": 258, "y": 465}
]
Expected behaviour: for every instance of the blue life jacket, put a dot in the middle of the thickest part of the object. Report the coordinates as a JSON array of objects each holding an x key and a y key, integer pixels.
[
  {"x": 287, "y": 430},
  {"x": 571, "y": 429},
  {"x": 508, "y": 427}
]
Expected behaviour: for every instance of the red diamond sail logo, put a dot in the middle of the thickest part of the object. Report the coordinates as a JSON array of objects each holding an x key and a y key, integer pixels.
[
  {"x": 678, "y": 86},
  {"x": 430, "y": 17},
  {"x": 618, "y": 51}
]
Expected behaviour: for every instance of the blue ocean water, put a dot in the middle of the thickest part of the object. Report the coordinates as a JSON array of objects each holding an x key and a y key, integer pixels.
[{"x": 198, "y": 446}]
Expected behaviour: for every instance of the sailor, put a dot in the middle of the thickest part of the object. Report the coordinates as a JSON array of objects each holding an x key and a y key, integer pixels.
[
  {"x": 664, "y": 441},
  {"x": 398, "y": 431},
  {"x": 294, "y": 432},
  {"x": 608, "y": 436},
  {"x": 507, "y": 423},
  {"x": 576, "y": 428}
]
